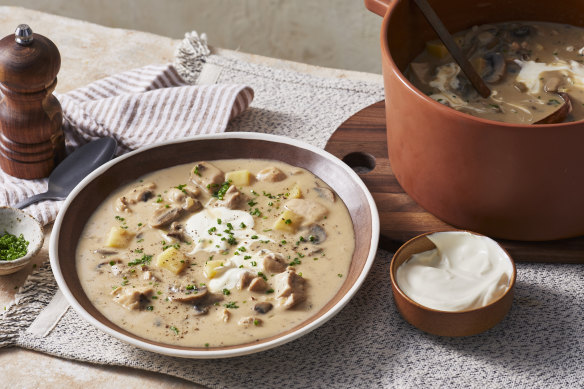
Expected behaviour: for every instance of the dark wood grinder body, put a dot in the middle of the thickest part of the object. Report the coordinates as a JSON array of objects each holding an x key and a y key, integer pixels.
[{"x": 31, "y": 137}]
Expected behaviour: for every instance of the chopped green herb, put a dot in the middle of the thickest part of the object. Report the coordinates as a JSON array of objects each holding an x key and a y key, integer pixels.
[
  {"x": 260, "y": 274},
  {"x": 254, "y": 236},
  {"x": 144, "y": 260},
  {"x": 256, "y": 212},
  {"x": 296, "y": 261},
  {"x": 242, "y": 249},
  {"x": 269, "y": 291},
  {"x": 112, "y": 263},
  {"x": 181, "y": 187},
  {"x": 150, "y": 308},
  {"x": 247, "y": 257},
  {"x": 232, "y": 241},
  {"x": 242, "y": 225},
  {"x": 256, "y": 322},
  {"x": 231, "y": 305},
  {"x": 222, "y": 190},
  {"x": 340, "y": 275},
  {"x": 253, "y": 263},
  {"x": 190, "y": 287},
  {"x": 226, "y": 292},
  {"x": 251, "y": 203},
  {"x": 288, "y": 221},
  {"x": 212, "y": 230},
  {"x": 219, "y": 221},
  {"x": 174, "y": 329}
]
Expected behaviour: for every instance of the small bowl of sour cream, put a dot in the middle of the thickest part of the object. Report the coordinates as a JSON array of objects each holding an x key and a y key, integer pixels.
[{"x": 453, "y": 283}]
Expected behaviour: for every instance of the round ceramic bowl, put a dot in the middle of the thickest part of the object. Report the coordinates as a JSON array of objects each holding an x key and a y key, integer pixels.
[
  {"x": 84, "y": 199},
  {"x": 446, "y": 323},
  {"x": 16, "y": 222}
]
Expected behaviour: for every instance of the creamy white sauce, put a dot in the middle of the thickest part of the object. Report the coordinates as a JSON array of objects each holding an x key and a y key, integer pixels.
[
  {"x": 532, "y": 72},
  {"x": 465, "y": 271}
]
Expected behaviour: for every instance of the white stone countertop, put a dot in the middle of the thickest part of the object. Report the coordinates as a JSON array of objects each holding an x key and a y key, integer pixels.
[{"x": 90, "y": 52}]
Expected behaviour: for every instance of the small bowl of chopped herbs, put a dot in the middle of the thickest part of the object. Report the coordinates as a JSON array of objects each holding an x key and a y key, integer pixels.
[{"x": 21, "y": 238}]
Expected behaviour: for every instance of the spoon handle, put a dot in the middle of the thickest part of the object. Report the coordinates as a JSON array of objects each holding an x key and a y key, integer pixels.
[
  {"x": 36, "y": 198},
  {"x": 476, "y": 80}
]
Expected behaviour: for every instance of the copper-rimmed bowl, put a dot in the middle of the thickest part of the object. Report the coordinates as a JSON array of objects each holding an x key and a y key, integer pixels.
[
  {"x": 85, "y": 198},
  {"x": 523, "y": 182},
  {"x": 446, "y": 323}
]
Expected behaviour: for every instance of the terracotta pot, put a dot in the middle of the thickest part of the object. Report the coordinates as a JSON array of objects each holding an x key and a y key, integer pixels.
[{"x": 522, "y": 182}]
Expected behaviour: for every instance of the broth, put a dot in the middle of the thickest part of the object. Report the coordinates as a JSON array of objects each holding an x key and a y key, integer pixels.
[
  {"x": 216, "y": 254},
  {"x": 530, "y": 67}
]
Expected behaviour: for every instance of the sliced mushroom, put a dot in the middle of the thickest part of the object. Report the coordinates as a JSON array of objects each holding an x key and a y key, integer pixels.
[
  {"x": 316, "y": 234},
  {"x": 200, "y": 309},
  {"x": 105, "y": 252},
  {"x": 263, "y": 307},
  {"x": 207, "y": 176},
  {"x": 142, "y": 192},
  {"x": 561, "y": 113},
  {"x": 164, "y": 215},
  {"x": 187, "y": 294},
  {"x": 176, "y": 231},
  {"x": 495, "y": 70},
  {"x": 521, "y": 31},
  {"x": 274, "y": 263},
  {"x": 325, "y": 193}
]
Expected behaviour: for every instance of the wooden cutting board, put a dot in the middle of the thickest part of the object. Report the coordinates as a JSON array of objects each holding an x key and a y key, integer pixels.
[{"x": 360, "y": 142}]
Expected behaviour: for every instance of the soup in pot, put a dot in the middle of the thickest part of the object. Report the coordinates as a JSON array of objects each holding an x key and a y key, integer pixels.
[
  {"x": 535, "y": 71},
  {"x": 216, "y": 253}
]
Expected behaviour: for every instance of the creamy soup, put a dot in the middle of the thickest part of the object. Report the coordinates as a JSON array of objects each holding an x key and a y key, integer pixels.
[
  {"x": 534, "y": 70},
  {"x": 216, "y": 253}
]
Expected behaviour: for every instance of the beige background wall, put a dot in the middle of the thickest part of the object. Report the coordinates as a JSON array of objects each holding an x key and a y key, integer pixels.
[{"x": 332, "y": 33}]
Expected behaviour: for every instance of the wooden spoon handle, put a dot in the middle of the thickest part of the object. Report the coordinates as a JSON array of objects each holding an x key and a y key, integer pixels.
[{"x": 476, "y": 80}]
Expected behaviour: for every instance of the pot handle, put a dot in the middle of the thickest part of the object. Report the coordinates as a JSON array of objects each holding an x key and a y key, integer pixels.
[{"x": 378, "y": 6}]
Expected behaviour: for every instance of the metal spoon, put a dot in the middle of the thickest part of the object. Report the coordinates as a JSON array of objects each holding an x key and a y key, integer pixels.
[
  {"x": 474, "y": 78},
  {"x": 73, "y": 169}
]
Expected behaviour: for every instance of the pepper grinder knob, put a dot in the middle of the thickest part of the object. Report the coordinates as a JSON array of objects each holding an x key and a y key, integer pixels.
[
  {"x": 31, "y": 137},
  {"x": 23, "y": 34}
]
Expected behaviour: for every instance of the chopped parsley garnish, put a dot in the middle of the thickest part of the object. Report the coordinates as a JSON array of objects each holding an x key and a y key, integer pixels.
[
  {"x": 254, "y": 263},
  {"x": 150, "y": 308},
  {"x": 251, "y": 203},
  {"x": 226, "y": 292},
  {"x": 256, "y": 212},
  {"x": 254, "y": 236},
  {"x": 141, "y": 261},
  {"x": 260, "y": 274},
  {"x": 296, "y": 261},
  {"x": 256, "y": 322},
  {"x": 112, "y": 263},
  {"x": 190, "y": 287},
  {"x": 269, "y": 291},
  {"x": 232, "y": 241},
  {"x": 242, "y": 225},
  {"x": 120, "y": 218},
  {"x": 174, "y": 329},
  {"x": 288, "y": 221},
  {"x": 247, "y": 257},
  {"x": 196, "y": 171},
  {"x": 242, "y": 249},
  {"x": 212, "y": 230},
  {"x": 231, "y": 305},
  {"x": 181, "y": 187},
  {"x": 340, "y": 275}
]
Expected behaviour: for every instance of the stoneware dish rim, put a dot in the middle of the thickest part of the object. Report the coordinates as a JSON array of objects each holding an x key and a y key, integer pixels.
[
  {"x": 36, "y": 230},
  {"x": 229, "y": 352}
]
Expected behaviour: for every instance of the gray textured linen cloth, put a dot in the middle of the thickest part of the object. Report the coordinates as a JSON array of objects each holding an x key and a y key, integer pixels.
[{"x": 540, "y": 344}]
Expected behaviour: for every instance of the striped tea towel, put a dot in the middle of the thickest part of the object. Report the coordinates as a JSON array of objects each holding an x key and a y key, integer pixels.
[{"x": 137, "y": 108}]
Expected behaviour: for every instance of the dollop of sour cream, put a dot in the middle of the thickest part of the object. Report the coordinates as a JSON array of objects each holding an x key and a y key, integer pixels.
[
  {"x": 210, "y": 229},
  {"x": 464, "y": 271}
]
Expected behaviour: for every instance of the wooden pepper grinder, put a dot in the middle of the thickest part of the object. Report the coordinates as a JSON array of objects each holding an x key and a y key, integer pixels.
[{"x": 31, "y": 138}]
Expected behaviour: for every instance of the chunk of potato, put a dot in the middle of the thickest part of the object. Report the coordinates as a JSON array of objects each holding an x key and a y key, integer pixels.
[
  {"x": 436, "y": 49},
  {"x": 118, "y": 237},
  {"x": 295, "y": 192},
  {"x": 172, "y": 260},
  {"x": 288, "y": 222},
  {"x": 238, "y": 177},
  {"x": 210, "y": 270}
]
